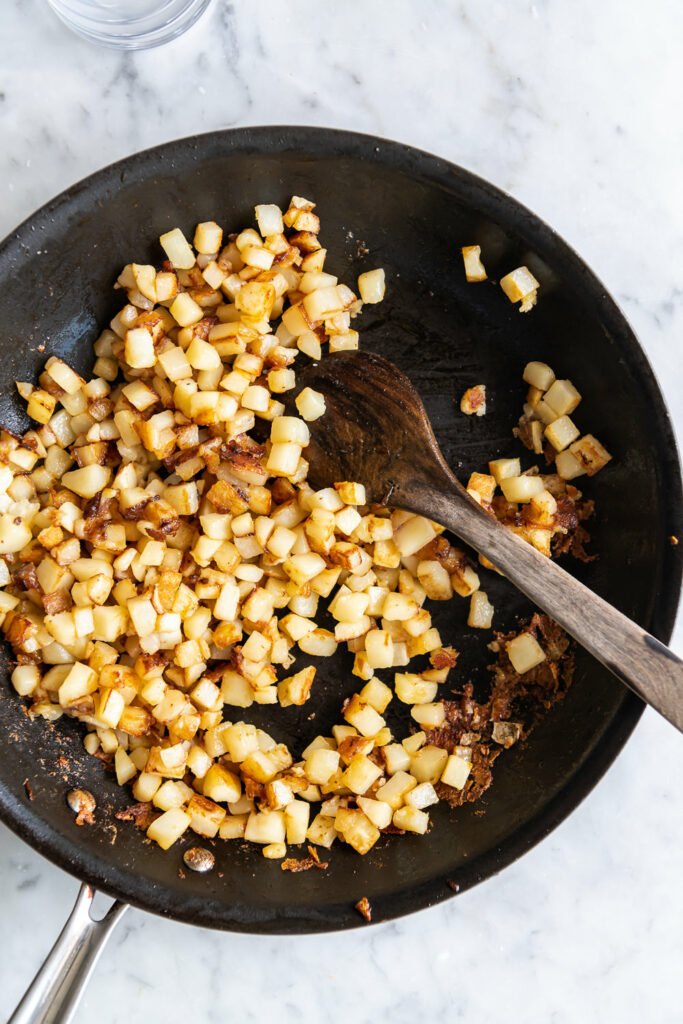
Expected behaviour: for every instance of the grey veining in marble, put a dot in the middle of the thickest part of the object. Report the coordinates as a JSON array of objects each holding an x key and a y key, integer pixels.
[{"x": 574, "y": 108}]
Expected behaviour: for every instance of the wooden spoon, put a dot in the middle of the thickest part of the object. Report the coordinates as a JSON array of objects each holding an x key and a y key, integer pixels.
[{"x": 376, "y": 431}]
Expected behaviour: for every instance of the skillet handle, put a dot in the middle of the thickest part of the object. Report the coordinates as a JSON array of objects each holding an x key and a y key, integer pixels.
[{"x": 55, "y": 991}]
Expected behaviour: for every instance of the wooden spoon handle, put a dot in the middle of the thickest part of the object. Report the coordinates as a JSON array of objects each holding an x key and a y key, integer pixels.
[{"x": 638, "y": 659}]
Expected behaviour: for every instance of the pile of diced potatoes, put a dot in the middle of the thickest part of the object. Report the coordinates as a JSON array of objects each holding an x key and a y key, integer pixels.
[
  {"x": 160, "y": 569},
  {"x": 546, "y": 413}
]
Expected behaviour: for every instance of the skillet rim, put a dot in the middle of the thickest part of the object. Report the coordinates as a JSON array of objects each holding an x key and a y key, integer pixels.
[{"x": 418, "y": 164}]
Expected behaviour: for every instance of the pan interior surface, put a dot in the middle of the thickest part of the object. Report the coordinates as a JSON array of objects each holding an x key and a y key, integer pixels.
[{"x": 385, "y": 205}]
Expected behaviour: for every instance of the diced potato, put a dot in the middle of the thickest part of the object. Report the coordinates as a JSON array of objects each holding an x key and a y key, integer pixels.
[
  {"x": 377, "y": 694},
  {"x": 399, "y": 607},
  {"x": 169, "y": 827},
  {"x": 456, "y": 772},
  {"x": 321, "y": 831},
  {"x": 422, "y": 796},
  {"x": 502, "y": 469},
  {"x": 356, "y": 829},
  {"x": 125, "y": 768},
  {"x": 435, "y": 580},
  {"x": 233, "y": 826},
  {"x": 283, "y": 459},
  {"x": 297, "y": 815},
  {"x": 221, "y": 785},
  {"x": 379, "y": 649},
  {"x": 321, "y": 765},
  {"x": 87, "y": 481},
  {"x": 185, "y": 310},
  {"x": 544, "y": 412},
  {"x": 25, "y": 678},
  {"x": 536, "y": 434},
  {"x": 348, "y": 606},
  {"x": 413, "y": 742},
  {"x": 473, "y": 401},
  {"x": 377, "y": 811},
  {"x": 63, "y": 375},
  {"x": 177, "y": 249},
  {"x": 319, "y": 643},
  {"x": 413, "y": 534},
  {"x": 521, "y": 488},
  {"x": 591, "y": 455},
  {"x": 543, "y": 507},
  {"x": 264, "y": 765},
  {"x": 396, "y": 757},
  {"x": 481, "y": 487},
  {"x": 394, "y": 791},
  {"x": 360, "y": 774},
  {"x": 538, "y": 375},
  {"x": 563, "y": 397},
  {"x": 568, "y": 466},
  {"x": 275, "y": 851},
  {"x": 289, "y": 429},
  {"x": 372, "y": 286},
  {"x": 311, "y": 404},
  {"x": 201, "y": 355},
  {"x": 524, "y": 652},
  {"x": 474, "y": 268},
  {"x": 208, "y": 237},
  {"x": 269, "y": 220},
  {"x": 561, "y": 432},
  {"x": 520, "y": 285},
  {"x": 481, "y": 611},
  {"x": 205, "y": 816},
  {"x": 410, "y": 819},
  {"x": 362, "y": 715},
  {"x": 426, "y": 642},
  {"x": 296, "y": 689},
  {"x": 266, "y": 827},
  {"x": 41, "y": 405},
  {"x": 413, "y": 689},
  {"x": 428, "y": 763},
  {"x": 351, "y": 493},
  {"x": 80, "y": 681},
  {"x": 429, "y": 716}
]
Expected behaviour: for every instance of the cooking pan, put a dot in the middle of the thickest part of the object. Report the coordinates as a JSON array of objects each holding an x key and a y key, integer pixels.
[{"x": 381, "y": 204}]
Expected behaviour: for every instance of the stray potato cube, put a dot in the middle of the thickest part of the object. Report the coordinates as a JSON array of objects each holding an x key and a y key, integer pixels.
[
  {"x": 524, "y": 652},
  {"x": 371, "y": 286},
  {"x": 481, "y": 611},
  {"x": 474, "y": 268},
  {"x": 521, "y": 286},
  {"x": 473, "y": 401},
  {"x": 178, "y": 249},
  {"x": 311, "y": 404}
]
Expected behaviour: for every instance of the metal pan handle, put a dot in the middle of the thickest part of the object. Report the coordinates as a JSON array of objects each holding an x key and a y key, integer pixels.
[{"x": 55, "y": 991}]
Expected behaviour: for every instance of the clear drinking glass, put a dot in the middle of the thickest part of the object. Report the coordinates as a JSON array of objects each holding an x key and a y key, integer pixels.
[{"x": 129, "y": 24}]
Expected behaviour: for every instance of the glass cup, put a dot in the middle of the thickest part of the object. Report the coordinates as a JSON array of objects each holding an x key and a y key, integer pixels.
[{"x": 129, "y": 24}]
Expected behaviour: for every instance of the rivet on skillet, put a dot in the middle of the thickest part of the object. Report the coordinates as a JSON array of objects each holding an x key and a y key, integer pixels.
[{"x": 198, "y": 859}]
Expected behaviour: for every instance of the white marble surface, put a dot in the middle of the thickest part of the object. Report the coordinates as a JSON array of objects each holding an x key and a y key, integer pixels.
[{"x": 574, "y": 108}]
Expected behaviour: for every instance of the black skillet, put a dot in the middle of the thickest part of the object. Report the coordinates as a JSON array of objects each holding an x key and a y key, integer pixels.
[{"x": 381, "y": 204}]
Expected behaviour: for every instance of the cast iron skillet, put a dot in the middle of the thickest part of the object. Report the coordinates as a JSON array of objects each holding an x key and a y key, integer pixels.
[{"x": 381, "y": 204}]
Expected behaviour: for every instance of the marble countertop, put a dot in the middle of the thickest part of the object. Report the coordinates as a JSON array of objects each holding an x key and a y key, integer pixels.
[{"x": 573, "y": 108}]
